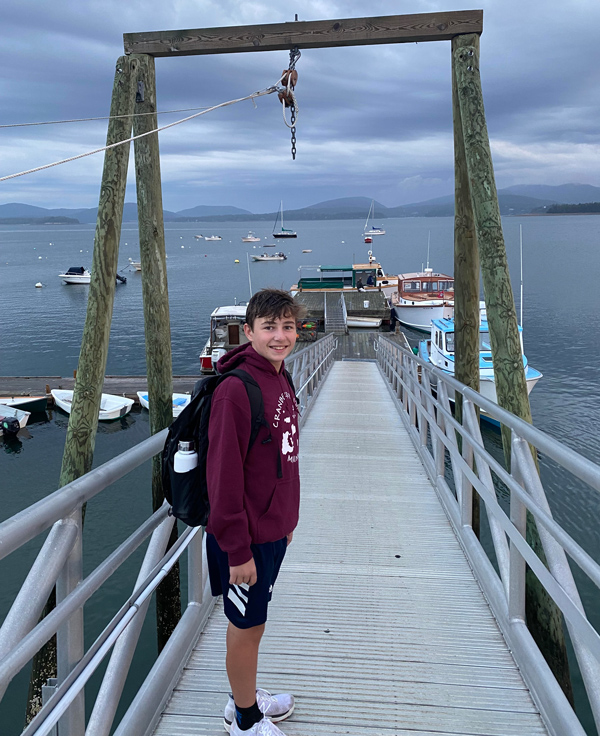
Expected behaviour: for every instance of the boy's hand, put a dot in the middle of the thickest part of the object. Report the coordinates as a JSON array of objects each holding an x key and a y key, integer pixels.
[
  {"x": 245, "y": 573},
  {"x": 290, "y": 536}
]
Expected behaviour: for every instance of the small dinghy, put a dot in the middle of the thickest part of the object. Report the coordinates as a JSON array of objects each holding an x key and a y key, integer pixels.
[
  {"x": 270, "y": 257},
  {"x": 111, "y": 407},
  {"x": 180, "y": 401},
  {"x": 25, "y": 403},
  {"x": 12, "y": 419}
]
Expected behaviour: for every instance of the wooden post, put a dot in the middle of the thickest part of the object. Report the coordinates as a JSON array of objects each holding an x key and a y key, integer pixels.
[
  {"x": 466, "y": 269},
  {"x": 83, "y": 421},
  {"x": 543, "y": 616},
  {"x": 156, "y": 311}
]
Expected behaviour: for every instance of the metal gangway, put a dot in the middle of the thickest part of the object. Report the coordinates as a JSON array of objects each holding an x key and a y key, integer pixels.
[{"x": 389, "y": 616}]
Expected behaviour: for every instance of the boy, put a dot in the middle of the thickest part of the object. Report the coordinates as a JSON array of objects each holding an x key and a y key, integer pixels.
[{"x": 254, "y": 500}]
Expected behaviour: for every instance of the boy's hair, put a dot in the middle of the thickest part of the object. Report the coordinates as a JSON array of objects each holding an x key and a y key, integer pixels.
[{"x": 272, "y": 304}]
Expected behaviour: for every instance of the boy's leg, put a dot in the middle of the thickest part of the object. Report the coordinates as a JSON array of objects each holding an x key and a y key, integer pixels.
[{"x": 242, "y": 662}]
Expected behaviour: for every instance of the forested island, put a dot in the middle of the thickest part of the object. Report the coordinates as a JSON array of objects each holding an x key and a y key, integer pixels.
[
  {"x": 39, "y": 221},
  {"x": 587, "y": 208}
]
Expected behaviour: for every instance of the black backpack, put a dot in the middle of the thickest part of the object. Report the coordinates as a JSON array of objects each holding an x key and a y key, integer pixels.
[{"x": 188, "y": 492}]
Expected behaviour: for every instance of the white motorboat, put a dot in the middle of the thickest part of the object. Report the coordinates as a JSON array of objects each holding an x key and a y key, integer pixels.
[
  {"x": 76, "y": 275},
  {"x": 213, "y": 237},
  {"x": 270, "y": 257},
  {"x": 423, "y": 297},
  {"x": 226, "y": 331},
  {"x": 136, "y": 265},
  {"x": 283, "y": 233},
  {"x": 180, "y": 401},
  {"x": 370, "y": 323},
  {"x": 111, "y": 406},
  {"x": 12, "y": 419},
  {"x": 199, "y": 237},
  {"x": 251, "y": 238},
  {"x": 439, "y": 351},
  {"x": 372, "y": 230}
]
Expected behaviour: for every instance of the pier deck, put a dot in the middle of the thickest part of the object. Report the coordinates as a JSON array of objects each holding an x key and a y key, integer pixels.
[{"x": 377, "y": 624}]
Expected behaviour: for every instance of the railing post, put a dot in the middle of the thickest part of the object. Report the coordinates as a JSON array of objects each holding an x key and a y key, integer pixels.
[
  {"x": 69, "y": 637},
  {"x": 517, "y": 565}
]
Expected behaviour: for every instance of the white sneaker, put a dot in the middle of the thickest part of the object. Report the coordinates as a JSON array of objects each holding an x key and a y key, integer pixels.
[
  {"x": 274, "y": 707},
  {"x": 262, "y": 728}
]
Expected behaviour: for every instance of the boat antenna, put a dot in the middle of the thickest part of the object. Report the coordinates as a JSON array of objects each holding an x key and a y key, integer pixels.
[
  {"x": 521, "y": 251},
  {"x": 428, "y": 241},
  {"x": 249, "y": 279}
]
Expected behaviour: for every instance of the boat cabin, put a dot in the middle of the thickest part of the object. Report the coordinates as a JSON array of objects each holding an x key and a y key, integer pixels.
[
  {"x": 425, "y": 285},
  {"x": 442, "y": 344},
  {"x": 226, "y": 332},
  {"x": 343, "y": 277}
]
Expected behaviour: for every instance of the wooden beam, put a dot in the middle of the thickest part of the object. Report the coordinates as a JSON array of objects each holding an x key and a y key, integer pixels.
[{"x": 319, "y": 34}]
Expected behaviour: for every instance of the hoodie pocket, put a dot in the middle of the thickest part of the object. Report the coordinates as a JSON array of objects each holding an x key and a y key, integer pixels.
[{"x": 281, "y": 516}]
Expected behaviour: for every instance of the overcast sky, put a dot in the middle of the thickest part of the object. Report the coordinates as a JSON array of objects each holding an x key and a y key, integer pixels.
[{"x": 373, "y": 121}]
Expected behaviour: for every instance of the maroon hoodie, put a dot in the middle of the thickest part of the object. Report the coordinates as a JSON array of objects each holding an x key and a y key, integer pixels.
[{"x": 248, "y": 502}]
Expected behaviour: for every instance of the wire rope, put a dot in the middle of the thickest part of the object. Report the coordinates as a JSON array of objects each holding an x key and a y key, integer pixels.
[
  {"x": 253, "y": 96},
  {"x": 104, "y": 117}
]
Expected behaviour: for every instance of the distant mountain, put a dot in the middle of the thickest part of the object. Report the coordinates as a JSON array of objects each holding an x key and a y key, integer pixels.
[
  {"x": 204, "y": 209},
  {"x": 522, "y": 199},
  {"x": 561, "y": 194}
]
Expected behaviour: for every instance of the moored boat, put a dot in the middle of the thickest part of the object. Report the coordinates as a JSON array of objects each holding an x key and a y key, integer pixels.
[
  {"x": 369, "y": 323},
  {"x": 180, "y": 401},
  {"x": 111, "y": 406},
  {"x": 283, "y": 233},
  {"x": 423, "y": 297},
  {"x": 136, "y": 265},
  {"x": 439, "y": 351},
  {"x": 12, "y": 419},
  {"x": 270, "y": 257},
  {"x": 226, "y": 331},
  {"x": 31, "y": 404},
  {"x": 76, "y": 275},
  {"x": 357, "y": 276},
  {"x": 372, "y": 230},
  {"x": 251, "y": 238},
  {"x": 213, "y": 237}
]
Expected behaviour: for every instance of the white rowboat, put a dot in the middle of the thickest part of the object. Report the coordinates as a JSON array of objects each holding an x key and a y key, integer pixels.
[
  {"x": 111, "y": 406},
  {"x": 180, "y": 401}
]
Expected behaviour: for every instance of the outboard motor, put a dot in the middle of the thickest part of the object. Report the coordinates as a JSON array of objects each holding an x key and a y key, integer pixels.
[
  {"x": 120, "y": 278},
  {"x": 9, "y": 425}
]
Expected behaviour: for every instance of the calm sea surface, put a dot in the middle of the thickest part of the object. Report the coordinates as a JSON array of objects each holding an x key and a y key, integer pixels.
[{"x": 41, "y": 329}]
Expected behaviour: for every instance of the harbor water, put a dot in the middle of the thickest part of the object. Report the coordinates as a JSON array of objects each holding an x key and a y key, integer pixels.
[{"x": 42, "y": 327}]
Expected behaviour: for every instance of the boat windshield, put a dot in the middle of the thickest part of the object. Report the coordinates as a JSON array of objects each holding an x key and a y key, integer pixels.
[{"x": 484, "y": 342}]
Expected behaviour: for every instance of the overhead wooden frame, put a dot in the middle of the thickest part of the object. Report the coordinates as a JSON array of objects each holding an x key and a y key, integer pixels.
[{"x": 320, "y": 34}]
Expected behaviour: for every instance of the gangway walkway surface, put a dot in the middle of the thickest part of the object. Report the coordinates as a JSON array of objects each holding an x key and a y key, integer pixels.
[{"x": 377, "y": 624}]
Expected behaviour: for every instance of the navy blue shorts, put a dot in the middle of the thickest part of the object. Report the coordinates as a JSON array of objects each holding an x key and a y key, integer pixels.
[{"x": 245, "y": 606}]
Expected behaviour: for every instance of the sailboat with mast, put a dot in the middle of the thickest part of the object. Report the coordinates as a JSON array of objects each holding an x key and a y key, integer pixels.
[
  {"x": 373, "y": 230},
  {"x": 283, "y": 233}
]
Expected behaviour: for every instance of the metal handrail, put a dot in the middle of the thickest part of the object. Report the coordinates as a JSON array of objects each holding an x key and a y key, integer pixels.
[
  {"x": 60, "y": 562},
  {"x": 422, "y": 393}
]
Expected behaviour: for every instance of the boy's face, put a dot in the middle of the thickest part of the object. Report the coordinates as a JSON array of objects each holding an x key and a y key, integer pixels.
[{"x": 274, "y": 339}]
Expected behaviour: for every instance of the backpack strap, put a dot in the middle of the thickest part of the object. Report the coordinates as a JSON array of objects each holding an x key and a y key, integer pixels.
[
  {"x": 288, "y": 375},
  {"x": 257, "y": 411}
]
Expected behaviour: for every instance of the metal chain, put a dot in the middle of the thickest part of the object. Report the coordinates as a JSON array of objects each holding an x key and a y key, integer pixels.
[{"x": 294, "y": 56}]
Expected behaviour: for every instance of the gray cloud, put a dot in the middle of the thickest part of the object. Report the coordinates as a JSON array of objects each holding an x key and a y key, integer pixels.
[{"x": 373, "y": 121}]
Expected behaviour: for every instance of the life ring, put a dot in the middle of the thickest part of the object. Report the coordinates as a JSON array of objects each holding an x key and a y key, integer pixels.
[{"x": 440, "y": 294}]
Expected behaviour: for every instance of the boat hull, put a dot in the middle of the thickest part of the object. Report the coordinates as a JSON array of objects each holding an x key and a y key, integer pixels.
[
  {"x": 74, "y": 279},
  {"x": 25, "y": 403},
  {"x": 285, "y": 235},
  {"x": 111, "y": 407},
  {"x": 369, "y": 323},
  {"x": 418, "y": 317}
]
